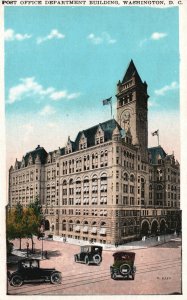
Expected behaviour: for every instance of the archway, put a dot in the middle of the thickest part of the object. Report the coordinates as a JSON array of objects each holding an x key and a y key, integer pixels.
[
  {"x": 145, "y": 228},
  {"x": 154, "y": 227},
  {"x": 162, "y": 226},
  {"x": 47, "y": 225}
]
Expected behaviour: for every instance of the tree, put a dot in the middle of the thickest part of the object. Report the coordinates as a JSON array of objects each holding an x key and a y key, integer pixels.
[
  {"x": 14, "y": 223},
  {"x": 36, "y": 220},
  {"x": 24, "y": 222},
  {"x": 36, "y": 206}
]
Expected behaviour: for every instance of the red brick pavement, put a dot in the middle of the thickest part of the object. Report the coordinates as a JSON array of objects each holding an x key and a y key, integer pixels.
[{"x": 158, "y": 272}]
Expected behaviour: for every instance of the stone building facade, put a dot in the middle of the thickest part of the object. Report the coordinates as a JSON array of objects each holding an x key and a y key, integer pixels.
[{"x": 107, "y": 186}]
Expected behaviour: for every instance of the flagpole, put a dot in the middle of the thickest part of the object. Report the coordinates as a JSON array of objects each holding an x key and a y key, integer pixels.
[
  {"x": 111, "y": 108},
  {"x": 108, "y": 101}
]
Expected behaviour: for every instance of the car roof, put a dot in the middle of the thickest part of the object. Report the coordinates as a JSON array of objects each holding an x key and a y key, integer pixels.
[
  {"x": 29, "y": 259},
  {"x": 92, "y": 246},
  {"x": 120, "y": 253}
]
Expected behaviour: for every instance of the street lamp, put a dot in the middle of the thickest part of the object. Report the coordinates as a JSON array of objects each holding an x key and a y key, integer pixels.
[{"x": 42, "y": 231}]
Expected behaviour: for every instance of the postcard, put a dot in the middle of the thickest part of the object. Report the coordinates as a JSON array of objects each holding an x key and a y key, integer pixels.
[{"x": 92, "y": 146}]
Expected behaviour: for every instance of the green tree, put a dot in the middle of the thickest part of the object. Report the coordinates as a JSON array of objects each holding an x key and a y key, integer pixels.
[
  {"x": 24, "y": 222},
  {"x": 14, "y": 223}
]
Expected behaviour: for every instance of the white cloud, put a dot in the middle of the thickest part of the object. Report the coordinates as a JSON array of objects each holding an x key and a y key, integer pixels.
[
  {"x": 108, "y": 38},
  {"x": 54, "y": 34},
  {"x": 104, "y": 38},
  {"x": 58, "y": 95},
  {"x": 158, "y": 35},
  {"x": 161, "y": 92},
  {"x": 27, "y": 87},
  {"x": 155, "y": 36},
  {"x": 73, "y": 96},
  {"x": 95, "y": 39},
  {"x": 30, "y": 87},
  {"x": 10, "y": 35},
  {"x": 47, "y": 110}
]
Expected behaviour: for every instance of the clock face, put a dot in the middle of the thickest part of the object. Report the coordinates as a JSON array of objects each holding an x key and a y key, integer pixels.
[{"x": 126, "y": 116}]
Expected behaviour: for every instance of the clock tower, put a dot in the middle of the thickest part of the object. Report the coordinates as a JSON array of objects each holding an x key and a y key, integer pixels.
[{"x": 132, "y": 108}]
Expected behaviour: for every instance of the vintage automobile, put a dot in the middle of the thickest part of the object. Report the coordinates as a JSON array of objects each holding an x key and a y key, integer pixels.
[
  {"x": 89, "y": 254},
  {"x": 29, "y": 270},
  {"x": 123, "y": 266}
]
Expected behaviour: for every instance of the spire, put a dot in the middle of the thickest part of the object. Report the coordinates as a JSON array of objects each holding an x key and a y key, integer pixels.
[{"x": 130, "y": 72}]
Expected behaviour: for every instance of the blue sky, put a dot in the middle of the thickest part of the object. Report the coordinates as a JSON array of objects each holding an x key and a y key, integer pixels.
[{"x": 60, "y": 62}]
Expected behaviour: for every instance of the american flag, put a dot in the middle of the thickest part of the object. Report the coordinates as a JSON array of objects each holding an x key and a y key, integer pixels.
[
  {"x": 155, "y": 132},
  {"x": 107, "y": 101}
]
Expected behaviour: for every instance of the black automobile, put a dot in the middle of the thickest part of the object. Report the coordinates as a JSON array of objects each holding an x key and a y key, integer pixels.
[
  {"x": 123, "y": 266},
  {"x": 29, "y": 271},
  {"x": 89, "y": 254}
]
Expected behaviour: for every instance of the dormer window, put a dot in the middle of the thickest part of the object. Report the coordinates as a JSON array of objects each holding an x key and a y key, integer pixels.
[
  {"x": 159, "y": 159},
  {"x": 49, "y": 159},
  {"x": 16, "y": 165},
  {"x": 54, "y": 157},
  {"x": 68, "y": 148},
  {"x": 23, "y": 163},
  {"x": 99, "y": 137},
  {"x": 30, "y": 160},
  {"x": 83, "y": 142}
]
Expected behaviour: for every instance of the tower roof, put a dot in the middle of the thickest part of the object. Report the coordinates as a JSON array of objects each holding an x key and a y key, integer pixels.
[{"x": 130, "y": 72}]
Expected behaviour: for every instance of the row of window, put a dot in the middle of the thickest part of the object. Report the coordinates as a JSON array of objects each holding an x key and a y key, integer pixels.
[
  {"x": 85, "y": 201},
  {"x": 25, "y": 177}
]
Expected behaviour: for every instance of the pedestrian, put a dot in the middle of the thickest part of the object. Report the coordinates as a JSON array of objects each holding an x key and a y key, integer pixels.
[
  {"x": 27, "y": 244},
  {"x": 46, "y": 255}
]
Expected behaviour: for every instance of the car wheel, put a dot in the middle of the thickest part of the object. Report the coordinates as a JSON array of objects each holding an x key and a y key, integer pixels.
[
  {"x": 125, "y": 269},
  {"x": 16, "y": 280},
  {"x": 97, "y": 259},
  {"x": 114, "y": 276},
  {"x": 86, "y": 260},
  {"x": 133, "y": 276},
  {"x": 56, "y": 278}
]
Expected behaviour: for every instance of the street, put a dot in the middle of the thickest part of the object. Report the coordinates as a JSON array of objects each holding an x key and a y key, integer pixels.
[{"x": 158, "y": 272}]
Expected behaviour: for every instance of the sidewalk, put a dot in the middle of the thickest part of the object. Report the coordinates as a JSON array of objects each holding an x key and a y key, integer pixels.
[
  {"x": 147, "y": 243},
  {"x": 136, "y": 245}
]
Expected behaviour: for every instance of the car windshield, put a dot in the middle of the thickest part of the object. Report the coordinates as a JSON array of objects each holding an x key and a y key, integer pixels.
[
  {"x": 124, "y": 256},
  {"x": 96, "y": 249},
  {"x": 85, "y": 249},
  {"x": 26, "y": 264},
  {"x": 34, "y": 264}
]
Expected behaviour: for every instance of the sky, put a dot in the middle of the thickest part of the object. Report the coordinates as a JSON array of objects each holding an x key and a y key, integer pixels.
[{"x": 61, "y": 62}]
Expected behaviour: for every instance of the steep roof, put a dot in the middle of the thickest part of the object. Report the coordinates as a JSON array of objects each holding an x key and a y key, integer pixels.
[
  {"x": 89, "y": 133},
  {"x": 107, "y": 127},
  {"x": 40, "y": 151},
  {"x": 155, "y": 152},
  {"x": 130, "y": 72}
]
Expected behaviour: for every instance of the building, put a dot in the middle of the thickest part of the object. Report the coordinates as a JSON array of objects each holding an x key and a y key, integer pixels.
[{"x": 107, "y": 186}]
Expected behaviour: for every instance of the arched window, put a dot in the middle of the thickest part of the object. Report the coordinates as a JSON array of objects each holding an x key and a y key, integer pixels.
[
  {"x": 102, "y": 228},
  {"x": 125, "y": 176},
  {"x": 103, "y": 187},
  {"x": 64, "y": 225},
  {"x": 142, "y": 188},
  {"x": 70, "y": 225}
]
